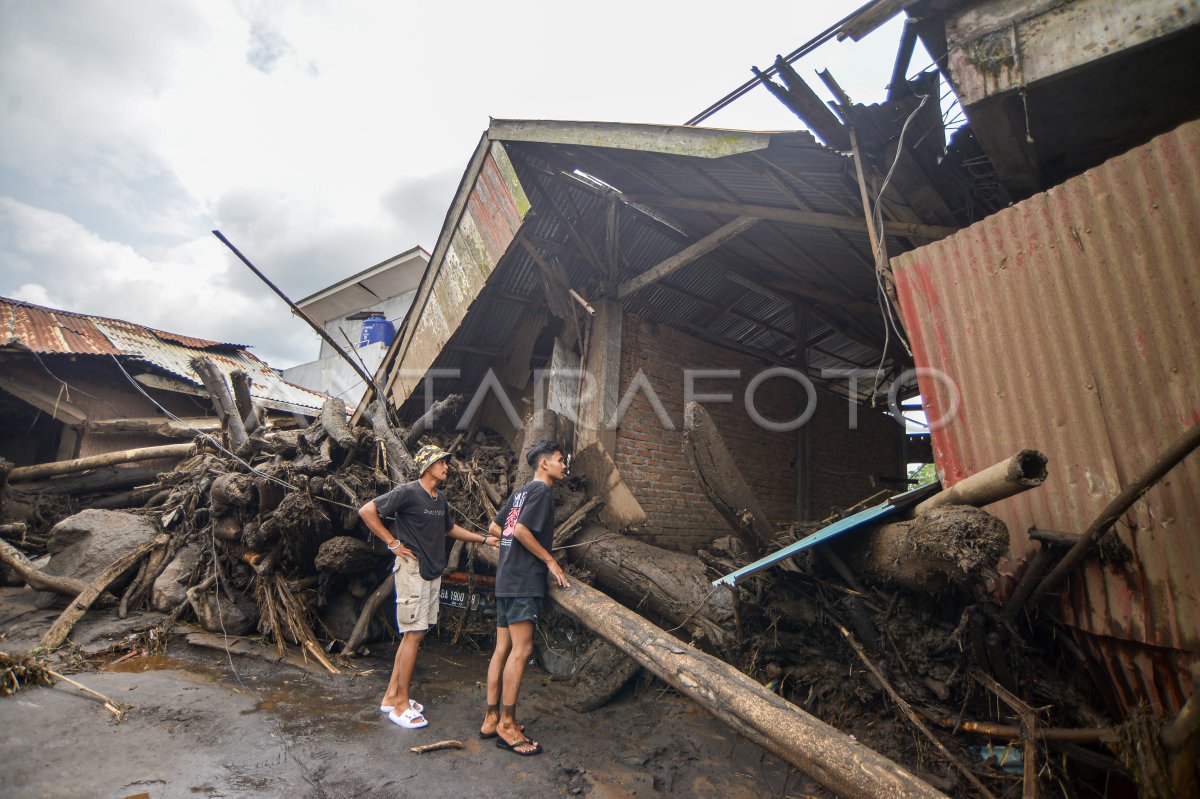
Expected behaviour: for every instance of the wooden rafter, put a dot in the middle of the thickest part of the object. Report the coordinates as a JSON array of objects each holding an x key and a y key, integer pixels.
[
  {"x": 686, "y": 256},
  {"x": 793, "y": 216}
]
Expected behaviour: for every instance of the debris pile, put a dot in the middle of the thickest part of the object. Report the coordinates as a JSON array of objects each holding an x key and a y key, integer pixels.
[{"x": 888, "y": 636}]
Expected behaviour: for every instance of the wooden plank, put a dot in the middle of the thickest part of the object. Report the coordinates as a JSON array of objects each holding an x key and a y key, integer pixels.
[
  {"x": 24, "y": 473},
  {"x": 57, "y": 407},
  {"x": 687, "y": 255},
  {"x": 793, "y": 216}
]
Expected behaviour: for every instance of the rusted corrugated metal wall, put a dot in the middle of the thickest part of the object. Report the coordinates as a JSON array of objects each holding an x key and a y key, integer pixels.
[{"x": 1071, "y": 323}]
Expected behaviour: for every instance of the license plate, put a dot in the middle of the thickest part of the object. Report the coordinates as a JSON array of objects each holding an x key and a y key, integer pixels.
[{"x": 457, "y": 597}]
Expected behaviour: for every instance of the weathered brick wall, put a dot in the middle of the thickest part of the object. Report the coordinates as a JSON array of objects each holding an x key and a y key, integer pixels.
[{"x": 651, "y": 457}]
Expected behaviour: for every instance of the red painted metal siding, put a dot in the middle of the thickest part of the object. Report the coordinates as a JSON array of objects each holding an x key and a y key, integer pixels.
[{"x": 1071, "y": 323}]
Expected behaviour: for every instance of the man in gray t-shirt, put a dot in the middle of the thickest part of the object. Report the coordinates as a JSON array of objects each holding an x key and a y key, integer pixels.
[
  {"x": 420, "y": 523},
  {"x": 525, "y": 526}
]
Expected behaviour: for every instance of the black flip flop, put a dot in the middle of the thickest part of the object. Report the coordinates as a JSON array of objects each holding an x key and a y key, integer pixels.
[
  {"x": 486, "y": 735},
  {"x": 512, "y": 747}
]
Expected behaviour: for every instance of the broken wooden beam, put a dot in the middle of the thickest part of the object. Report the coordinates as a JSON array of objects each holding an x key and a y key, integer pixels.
[
  {"x": 102, "y": 479},
  {"x": 27, "y": 473},
  {"x": 722, "y": 481}
]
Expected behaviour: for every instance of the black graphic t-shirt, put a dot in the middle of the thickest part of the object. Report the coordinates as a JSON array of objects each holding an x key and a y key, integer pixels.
[
  {"x": 420, "y": 522},
  {"x": 519, "y": 572}
]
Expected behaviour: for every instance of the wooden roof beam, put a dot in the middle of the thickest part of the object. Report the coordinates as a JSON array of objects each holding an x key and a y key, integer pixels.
[
  {"x": 794, "y": 216},
  {"x": 686, "y": 256}
]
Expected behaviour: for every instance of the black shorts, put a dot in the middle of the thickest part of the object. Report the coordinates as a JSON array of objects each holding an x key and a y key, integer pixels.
[{"x": 513, "y": 609}]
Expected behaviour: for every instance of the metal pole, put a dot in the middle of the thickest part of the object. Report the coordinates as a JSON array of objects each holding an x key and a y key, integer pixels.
[{"x": 297, "y": 311}]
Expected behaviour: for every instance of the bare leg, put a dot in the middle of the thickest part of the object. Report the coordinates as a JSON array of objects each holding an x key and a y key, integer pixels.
[
  {"x": 521, "y": 639},
  {"x": 491, "y": 716},
  {"x": 402, "y": 670}
]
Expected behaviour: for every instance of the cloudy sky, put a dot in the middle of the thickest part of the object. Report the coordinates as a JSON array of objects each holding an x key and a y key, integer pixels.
[{"x": 323, "y": 137}]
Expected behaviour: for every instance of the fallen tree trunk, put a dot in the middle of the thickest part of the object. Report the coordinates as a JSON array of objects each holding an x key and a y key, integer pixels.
[
  {"x": 722, "y": 481},
  {"x": 35, "y": 578},
  {"x": 333, "y": 419},
  {"x": 542, "y": 425},
  {"x": 438, "y": 411},
  {"x": 26, "y": 473},
  {"x": 600, "y": 672},
  {"x": 97, "y": 481},
  {"x": 399, "y": 463},
  {"x": 837, "y": 761},
  {"x": 247, "y": 410},
  {"x": 362, "y": 627},
  {"x": 949, "y": 545},
  {"x": 223, "y": 403},
  {"x": 63, "y": 625},
  {"x": 670, "y": 584},
  {"x": 135, "y": 498},
  {"x": 156, "y": 425}
]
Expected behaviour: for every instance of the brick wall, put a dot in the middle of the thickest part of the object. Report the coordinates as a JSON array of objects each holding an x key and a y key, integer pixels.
[{"x": 651, "y": 457}]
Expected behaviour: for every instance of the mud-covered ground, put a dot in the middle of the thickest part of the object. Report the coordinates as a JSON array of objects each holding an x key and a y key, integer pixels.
[{"x": 207, "y": 724}]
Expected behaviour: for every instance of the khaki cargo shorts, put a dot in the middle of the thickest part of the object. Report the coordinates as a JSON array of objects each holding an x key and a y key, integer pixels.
[{"x": 416, "y": 598}]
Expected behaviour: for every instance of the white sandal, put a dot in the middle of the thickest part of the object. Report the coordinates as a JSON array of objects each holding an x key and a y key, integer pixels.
[
  {"x": 417, "y": 706},
  {"x": 409, "y": 719}
]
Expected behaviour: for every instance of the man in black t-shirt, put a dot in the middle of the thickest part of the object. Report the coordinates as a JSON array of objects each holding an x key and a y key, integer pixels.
[
  {"x": 420, "y": 524},
  {"x": 525, "y": 526}
]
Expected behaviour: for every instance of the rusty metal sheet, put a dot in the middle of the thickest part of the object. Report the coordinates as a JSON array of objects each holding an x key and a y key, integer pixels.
[
  {"x": 48, "y": 330},
  {"x": 1071, "y": 323}
]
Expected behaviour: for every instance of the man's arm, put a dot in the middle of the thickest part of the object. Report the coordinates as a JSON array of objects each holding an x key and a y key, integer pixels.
[
  {"x": 370, "y": 516},
  {"x": 530, "y": 542},
  {"x": 462, "y": 534}
]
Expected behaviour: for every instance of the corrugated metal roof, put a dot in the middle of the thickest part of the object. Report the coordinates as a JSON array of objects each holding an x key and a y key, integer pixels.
[
  {"x": 570, "y": 173},
  {"x": 51, "y": 331},
  {"x": 1071, "y": 323}
]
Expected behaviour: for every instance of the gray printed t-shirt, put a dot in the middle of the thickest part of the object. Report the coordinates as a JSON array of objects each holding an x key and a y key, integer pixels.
[
  {"x": 420, "y": 522},
  {"x": 519, "y": 572}
]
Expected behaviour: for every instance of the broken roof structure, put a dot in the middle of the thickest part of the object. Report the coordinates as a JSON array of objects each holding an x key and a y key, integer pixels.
[{"x": 639, "y": 211}]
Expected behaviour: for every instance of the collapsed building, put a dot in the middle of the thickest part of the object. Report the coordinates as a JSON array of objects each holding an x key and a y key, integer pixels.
[{"x": 723, "y": 327}]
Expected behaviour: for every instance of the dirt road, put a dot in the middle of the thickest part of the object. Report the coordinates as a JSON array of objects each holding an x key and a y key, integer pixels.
[{"x": 207, "y": 724}]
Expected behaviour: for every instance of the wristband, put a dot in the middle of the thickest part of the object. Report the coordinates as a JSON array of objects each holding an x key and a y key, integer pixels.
[{"x": 394, "y": 545}]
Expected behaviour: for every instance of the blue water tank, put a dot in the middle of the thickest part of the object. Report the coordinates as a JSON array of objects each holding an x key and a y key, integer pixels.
[{"x": 376, "y": 330}]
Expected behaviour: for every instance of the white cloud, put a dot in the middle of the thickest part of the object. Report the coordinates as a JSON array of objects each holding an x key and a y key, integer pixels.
[{"x": 320, "y": 137}]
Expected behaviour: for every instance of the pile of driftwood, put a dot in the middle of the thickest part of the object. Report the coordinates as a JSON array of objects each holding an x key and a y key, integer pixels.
[{"x": 878, "y": 665}]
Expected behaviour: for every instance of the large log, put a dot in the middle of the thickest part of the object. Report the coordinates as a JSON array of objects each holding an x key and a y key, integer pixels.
[
  {"x": 438, "y": 411},
  {"x": 333, "y": 419},
  {"x": 1020, "y": 472},
  {"x": 541, "y": 425},
  {"x": 399, "y": 463},
  {"x": 949, "y": 545},
  {"x": 223, "y": 403},
  {"x": 95, "y": 481},
  {"x": 722, "y": 481},
  {"x": 672, "y": 585},
  {"x": 247, "y": 410},
  {"x": 837, "y": 761},
  {"x": 25, "y": 473},
  {"x": 156, "y": 425}
]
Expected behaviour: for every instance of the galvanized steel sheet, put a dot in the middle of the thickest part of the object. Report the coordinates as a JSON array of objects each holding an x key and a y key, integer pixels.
[{"x": 1070, "y": 323}]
